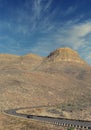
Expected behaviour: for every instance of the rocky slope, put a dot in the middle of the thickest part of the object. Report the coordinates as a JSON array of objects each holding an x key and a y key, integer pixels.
[
  {"x": 30, "y": 80},
  {"x": 64, "y": 60},
  {"x": 65, "y": 54}
]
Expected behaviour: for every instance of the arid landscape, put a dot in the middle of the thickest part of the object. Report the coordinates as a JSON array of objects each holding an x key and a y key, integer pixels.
[{"x": 62, "y": 79}]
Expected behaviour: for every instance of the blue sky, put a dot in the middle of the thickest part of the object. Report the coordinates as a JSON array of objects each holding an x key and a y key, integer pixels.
[{"x": 41, "y": 26}]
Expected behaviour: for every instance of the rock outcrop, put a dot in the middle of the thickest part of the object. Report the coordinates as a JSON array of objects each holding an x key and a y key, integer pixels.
[
  {"x": 65, "y": 54},
  {"x": 30, "y": 80}
]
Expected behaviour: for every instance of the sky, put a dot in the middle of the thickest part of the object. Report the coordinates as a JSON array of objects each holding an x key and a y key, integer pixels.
[{"x": 41, "y": 26}]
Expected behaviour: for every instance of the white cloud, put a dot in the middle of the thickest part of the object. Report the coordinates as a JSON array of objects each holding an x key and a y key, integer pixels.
[
  {"x": 37, "y": 8},
  {"x": 81, "y": 30},
  {"x": 32, "y": 22},
  {"x": 89, "y": 57},
  {"x": 48, "y": 4},
  {"x": 32, "y": 19},
  {"x": 74, "y": 35},
  {"x": 70, "y": 10},
  {"x": 22, "y": 30}
]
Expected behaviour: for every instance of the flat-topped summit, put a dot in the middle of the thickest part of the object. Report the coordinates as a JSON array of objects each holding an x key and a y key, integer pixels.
[
  {"x": 64, "y": 54},
  {"x": 25, "y": 80}
]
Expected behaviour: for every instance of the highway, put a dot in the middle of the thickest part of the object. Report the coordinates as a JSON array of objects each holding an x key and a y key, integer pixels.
[{"x": 86, "y": 125}]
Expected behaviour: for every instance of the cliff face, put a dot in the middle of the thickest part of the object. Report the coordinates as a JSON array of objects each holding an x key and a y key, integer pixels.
[{"x": 65, "y": 54}]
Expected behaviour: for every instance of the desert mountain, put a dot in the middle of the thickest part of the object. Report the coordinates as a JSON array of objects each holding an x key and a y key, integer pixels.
[
  {"x": 65, "y": 54},
  {"x": 64, "y": 60},
  {"x": 30, "y": 80},
  {"x": 30, "y": 61}
]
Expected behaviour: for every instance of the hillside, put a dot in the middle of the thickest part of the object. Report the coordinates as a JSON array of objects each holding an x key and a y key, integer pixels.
[
  {"x": 65, "y": 54},
  {"x": 31, "y": 80}
]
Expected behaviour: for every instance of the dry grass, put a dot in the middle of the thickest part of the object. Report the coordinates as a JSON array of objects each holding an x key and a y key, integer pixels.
[
  {"x": 41, "y": 111},
  {"x": 70, "y": 112},
  {"x": 13, "y": 123},
  {"x": 33, "y": 81}
]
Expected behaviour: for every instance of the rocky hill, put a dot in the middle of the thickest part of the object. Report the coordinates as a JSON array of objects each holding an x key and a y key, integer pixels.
[
  {"x": 65, "y": 54},
  {"x": 63, "y": 60},
  {"x": 31, "y": 80}
]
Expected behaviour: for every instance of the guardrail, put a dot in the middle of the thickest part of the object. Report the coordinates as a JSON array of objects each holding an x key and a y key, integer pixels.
[{"x": 78, "y": 124}]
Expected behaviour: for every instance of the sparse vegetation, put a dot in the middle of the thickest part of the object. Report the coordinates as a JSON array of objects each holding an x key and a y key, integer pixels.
[
  {"x": 13, "y": 123},
  {"x": 71, "y": 128},
  {"x": 46, "y": 82}
]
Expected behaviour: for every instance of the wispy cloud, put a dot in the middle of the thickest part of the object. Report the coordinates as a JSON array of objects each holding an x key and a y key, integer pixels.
[
  {"x": 76, "y": 36},
  {"x": 37, "y": 9},
  {"x": 89, "y": 58},
  {"x": 40, "y": 28},
  {"x": 48, "y": 4},
  {"x": 70, "y": 10},
  {"x": 32, "y": 17}
]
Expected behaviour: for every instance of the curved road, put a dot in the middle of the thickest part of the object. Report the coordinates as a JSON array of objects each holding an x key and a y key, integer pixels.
[{"x": 58, "y": 121}]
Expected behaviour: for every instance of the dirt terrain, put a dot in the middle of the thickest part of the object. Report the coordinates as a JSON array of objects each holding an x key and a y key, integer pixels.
[
  {"x": 62, "y": 78},
  {"x": 14, "y": 123}
]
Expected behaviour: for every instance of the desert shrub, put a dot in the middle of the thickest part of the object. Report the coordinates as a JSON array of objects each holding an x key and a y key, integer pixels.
[{"x": 71, "y": 128}]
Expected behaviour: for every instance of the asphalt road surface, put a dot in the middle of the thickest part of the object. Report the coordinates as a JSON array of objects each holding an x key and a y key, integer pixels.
[{"x": 57, "y": 121}]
